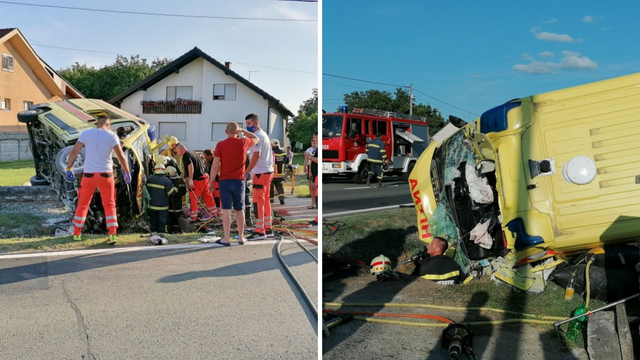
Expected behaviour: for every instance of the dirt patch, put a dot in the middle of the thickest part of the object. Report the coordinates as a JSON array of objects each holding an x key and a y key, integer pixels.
[
  {"x": 21, "y": 219},
  {"x": 364, "y": 340}
]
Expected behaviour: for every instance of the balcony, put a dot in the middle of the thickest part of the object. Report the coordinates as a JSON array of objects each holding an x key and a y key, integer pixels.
[{"x": 178, "y": 106}]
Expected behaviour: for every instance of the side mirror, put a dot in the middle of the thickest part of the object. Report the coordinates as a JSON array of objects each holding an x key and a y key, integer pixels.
[{"x": 456, "y": 121}]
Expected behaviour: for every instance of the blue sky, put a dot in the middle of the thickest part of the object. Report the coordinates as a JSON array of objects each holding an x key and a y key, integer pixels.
[
  {"x": 465, "y": 57},
  {"x": 258, "y": 49}
]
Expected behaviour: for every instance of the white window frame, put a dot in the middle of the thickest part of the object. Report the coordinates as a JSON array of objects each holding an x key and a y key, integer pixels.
[
  {"x": 224, "y": 134},
  {"x": 225, "y": 92},
  {"x": 7, "y": 62},
  {"x": 6, "y": 104},
  {"x": 175, "y": 93},
  {"x": 161, "y": 131},
  {"x": 26, "y": 104}
]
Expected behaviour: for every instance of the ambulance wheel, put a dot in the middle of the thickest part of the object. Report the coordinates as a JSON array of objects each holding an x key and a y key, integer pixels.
[{"x": 39, "y": 180}]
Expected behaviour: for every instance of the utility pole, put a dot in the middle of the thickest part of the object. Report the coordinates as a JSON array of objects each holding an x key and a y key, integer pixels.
[{"x": 410, "y": 99}]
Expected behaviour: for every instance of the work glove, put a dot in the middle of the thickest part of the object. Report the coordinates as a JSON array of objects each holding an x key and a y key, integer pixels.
[
  {"x": 69, "y": 176},
  {"x": 127, "y": 178}
]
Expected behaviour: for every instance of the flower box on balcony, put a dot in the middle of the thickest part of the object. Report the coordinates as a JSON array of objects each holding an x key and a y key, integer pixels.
[{"x": 178, "y": 106}]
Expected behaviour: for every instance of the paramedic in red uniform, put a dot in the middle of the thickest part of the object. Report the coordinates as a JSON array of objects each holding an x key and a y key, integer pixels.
[
  {"x": 98, "y": 174},
  {"x": 261, "y": 167},
  {"x": 197, "y": 181}
]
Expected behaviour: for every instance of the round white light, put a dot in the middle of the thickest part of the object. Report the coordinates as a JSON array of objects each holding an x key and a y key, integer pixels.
[{"x": 580, "y": 170}]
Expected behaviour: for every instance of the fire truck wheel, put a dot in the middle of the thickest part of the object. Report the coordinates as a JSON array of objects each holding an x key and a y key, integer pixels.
[
  {"x": 405, "y": 176},
  {"x": 361, "y": 176}
]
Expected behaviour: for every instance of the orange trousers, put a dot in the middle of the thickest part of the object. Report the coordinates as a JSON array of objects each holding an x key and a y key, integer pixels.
[
  {"x": 201, "y": 188},
  {"x": 88, "y": 185},
  {"x": 261, "y": 203}
]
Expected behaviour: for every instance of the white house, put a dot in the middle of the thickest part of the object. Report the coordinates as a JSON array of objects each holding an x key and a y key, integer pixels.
[{"x": 195, "y": 96}]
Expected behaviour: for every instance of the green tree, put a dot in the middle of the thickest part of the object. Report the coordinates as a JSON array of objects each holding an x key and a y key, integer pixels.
[
  {"x": 108, "y": 81},
  {"x": 398, "y": 102},
  {"x": 302, "y": 127}
]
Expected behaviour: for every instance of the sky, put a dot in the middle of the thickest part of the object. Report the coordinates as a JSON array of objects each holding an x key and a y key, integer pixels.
[
  {"x": 281, "y": 57},
  {"x": 466, "y": 57}
]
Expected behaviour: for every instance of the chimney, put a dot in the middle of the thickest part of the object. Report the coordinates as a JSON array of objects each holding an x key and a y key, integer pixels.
[{"x": 228, "y": 64}]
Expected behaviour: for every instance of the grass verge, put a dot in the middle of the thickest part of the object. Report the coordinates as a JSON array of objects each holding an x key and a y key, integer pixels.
[{"x": 16, "y": 173}]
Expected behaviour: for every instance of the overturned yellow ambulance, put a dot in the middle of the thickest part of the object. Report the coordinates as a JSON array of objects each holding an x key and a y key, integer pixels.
[{"x": 536, "y": 177}]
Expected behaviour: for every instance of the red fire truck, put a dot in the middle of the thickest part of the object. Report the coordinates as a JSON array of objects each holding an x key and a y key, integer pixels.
[{"x": 345, "y": 137}]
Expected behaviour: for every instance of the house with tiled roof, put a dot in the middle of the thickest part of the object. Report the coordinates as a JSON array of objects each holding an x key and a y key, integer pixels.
[
  {"x": 26, "y": 79},
  {"x": 195, "y": 96}
]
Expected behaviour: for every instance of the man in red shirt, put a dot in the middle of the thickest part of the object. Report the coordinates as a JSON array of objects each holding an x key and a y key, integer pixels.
[{"x": 229, "y": 161}]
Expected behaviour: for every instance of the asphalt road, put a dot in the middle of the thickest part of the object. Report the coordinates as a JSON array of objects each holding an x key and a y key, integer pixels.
[
  {"x": 182, "y": 302},
  {"x": 339, "y": 195}
]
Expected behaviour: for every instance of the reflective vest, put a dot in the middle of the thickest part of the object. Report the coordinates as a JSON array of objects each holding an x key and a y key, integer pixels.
[
  {"x": 175, "y": 199},
  {"x": 376, "y": 152},
  {"x": 160, "y": 188},
  {"x": 441, "y": 269},
  {"x": 280, "y": 160}
]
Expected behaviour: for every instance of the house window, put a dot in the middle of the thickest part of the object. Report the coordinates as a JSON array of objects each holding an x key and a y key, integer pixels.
[
  {"x": 179, "y": 92},
  {"x": 27, "y": 105},
  {"x": 218, "y": 131},
  {"x": 7, "y": 62},
  {"x": 5, "y": 104},
  {"x": 177, "y": 129},
  {"x": 224, "y": 91}
]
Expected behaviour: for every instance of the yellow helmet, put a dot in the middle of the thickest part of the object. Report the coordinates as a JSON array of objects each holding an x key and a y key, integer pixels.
[
  {"x": 159, "y": 168},
  {"x": 173, "y": 141},
  {"x": 380, "y": 264},
  {"x": 171, "y": 171}
]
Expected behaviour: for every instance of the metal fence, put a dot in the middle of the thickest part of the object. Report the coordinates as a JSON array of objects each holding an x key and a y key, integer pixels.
[{"x": 15, "y": 150}]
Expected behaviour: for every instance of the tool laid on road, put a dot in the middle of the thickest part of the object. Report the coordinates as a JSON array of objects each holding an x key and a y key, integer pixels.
[{"x": 457, "y": 338}]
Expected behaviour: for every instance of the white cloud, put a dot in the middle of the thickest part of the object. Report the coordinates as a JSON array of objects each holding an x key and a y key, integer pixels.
[
  {"x": 537, "y": 67},
  {"x": 587, "y": 19},
  {"x": 570, "y": 61},
  {"x": 526, "y": 57},
  {"x": 552, "y": 21},
  {"x": 573, "y": 61}
]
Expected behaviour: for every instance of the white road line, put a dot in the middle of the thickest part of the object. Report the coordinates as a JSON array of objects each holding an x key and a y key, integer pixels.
[
  {"x": 130, "y": 249},
  {"x": 360, "y": 211},
  {"x": 367, "y": 187}
]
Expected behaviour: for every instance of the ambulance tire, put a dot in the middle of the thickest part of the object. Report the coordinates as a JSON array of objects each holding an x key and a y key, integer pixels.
[{"x": 361, "y": 176}]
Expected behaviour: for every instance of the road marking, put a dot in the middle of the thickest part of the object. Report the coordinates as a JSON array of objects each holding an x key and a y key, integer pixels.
[
  {"x": 353, "y": 212},
  {"x": 369, "y": 187},
  {"x": 133, "y": 248}
]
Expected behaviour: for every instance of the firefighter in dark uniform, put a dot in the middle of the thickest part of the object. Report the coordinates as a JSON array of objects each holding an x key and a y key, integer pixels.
[
  {"x": 175, "y": 200},
  {"x": 376, "y": 156},
  {"x": 439, "y": 267},
  {"x": 160, "y": 188},
  {"x": 280, "y": 161}
]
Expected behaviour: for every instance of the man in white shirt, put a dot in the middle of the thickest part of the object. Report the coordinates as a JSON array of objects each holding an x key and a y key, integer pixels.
[
  {"x": 261, "y": 167},
  {"x": 98, "y": 174}
]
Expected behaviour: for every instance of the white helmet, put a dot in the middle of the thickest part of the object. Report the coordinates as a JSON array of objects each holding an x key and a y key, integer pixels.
[
  {"x": 380, "y": 264},
  {"x": 159, "y": 168},
  {"x": 171, "y": 171}
]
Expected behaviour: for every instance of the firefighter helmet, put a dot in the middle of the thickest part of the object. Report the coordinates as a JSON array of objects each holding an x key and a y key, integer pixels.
[
  {"x": 173, "y": 141},
  {"x": 171, "y": 171},
  {"x": 380, "y": 264},
  {"x": 159, "y": 168}
]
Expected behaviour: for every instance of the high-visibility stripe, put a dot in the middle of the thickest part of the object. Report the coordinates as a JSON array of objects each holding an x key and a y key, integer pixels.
[
  {"x": 79, "y": 218},
  {"x": 159, "y": 207},
  {"x": 173, "y": 189},
  {"x": 441, "y": 277},
  {"x": 78, "y": 225},
  {"x": 374, "y": 161},
  {"x": 155, "y": 186},
  {"x": 378, "y": 263},
  {"x": 111, "y": 217}
]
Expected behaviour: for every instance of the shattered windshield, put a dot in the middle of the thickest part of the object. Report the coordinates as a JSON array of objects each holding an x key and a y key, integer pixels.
[{"x": 332, "y": 126}]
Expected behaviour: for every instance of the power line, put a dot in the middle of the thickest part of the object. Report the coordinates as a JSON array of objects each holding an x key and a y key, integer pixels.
[
  {"x": 401, "y": 86},
  {"x": 367, "y": 81},
  {"x": 156, "y": 56},
  {"x": 453, "y": 106},
  {"x": 152, "y": 14}
]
